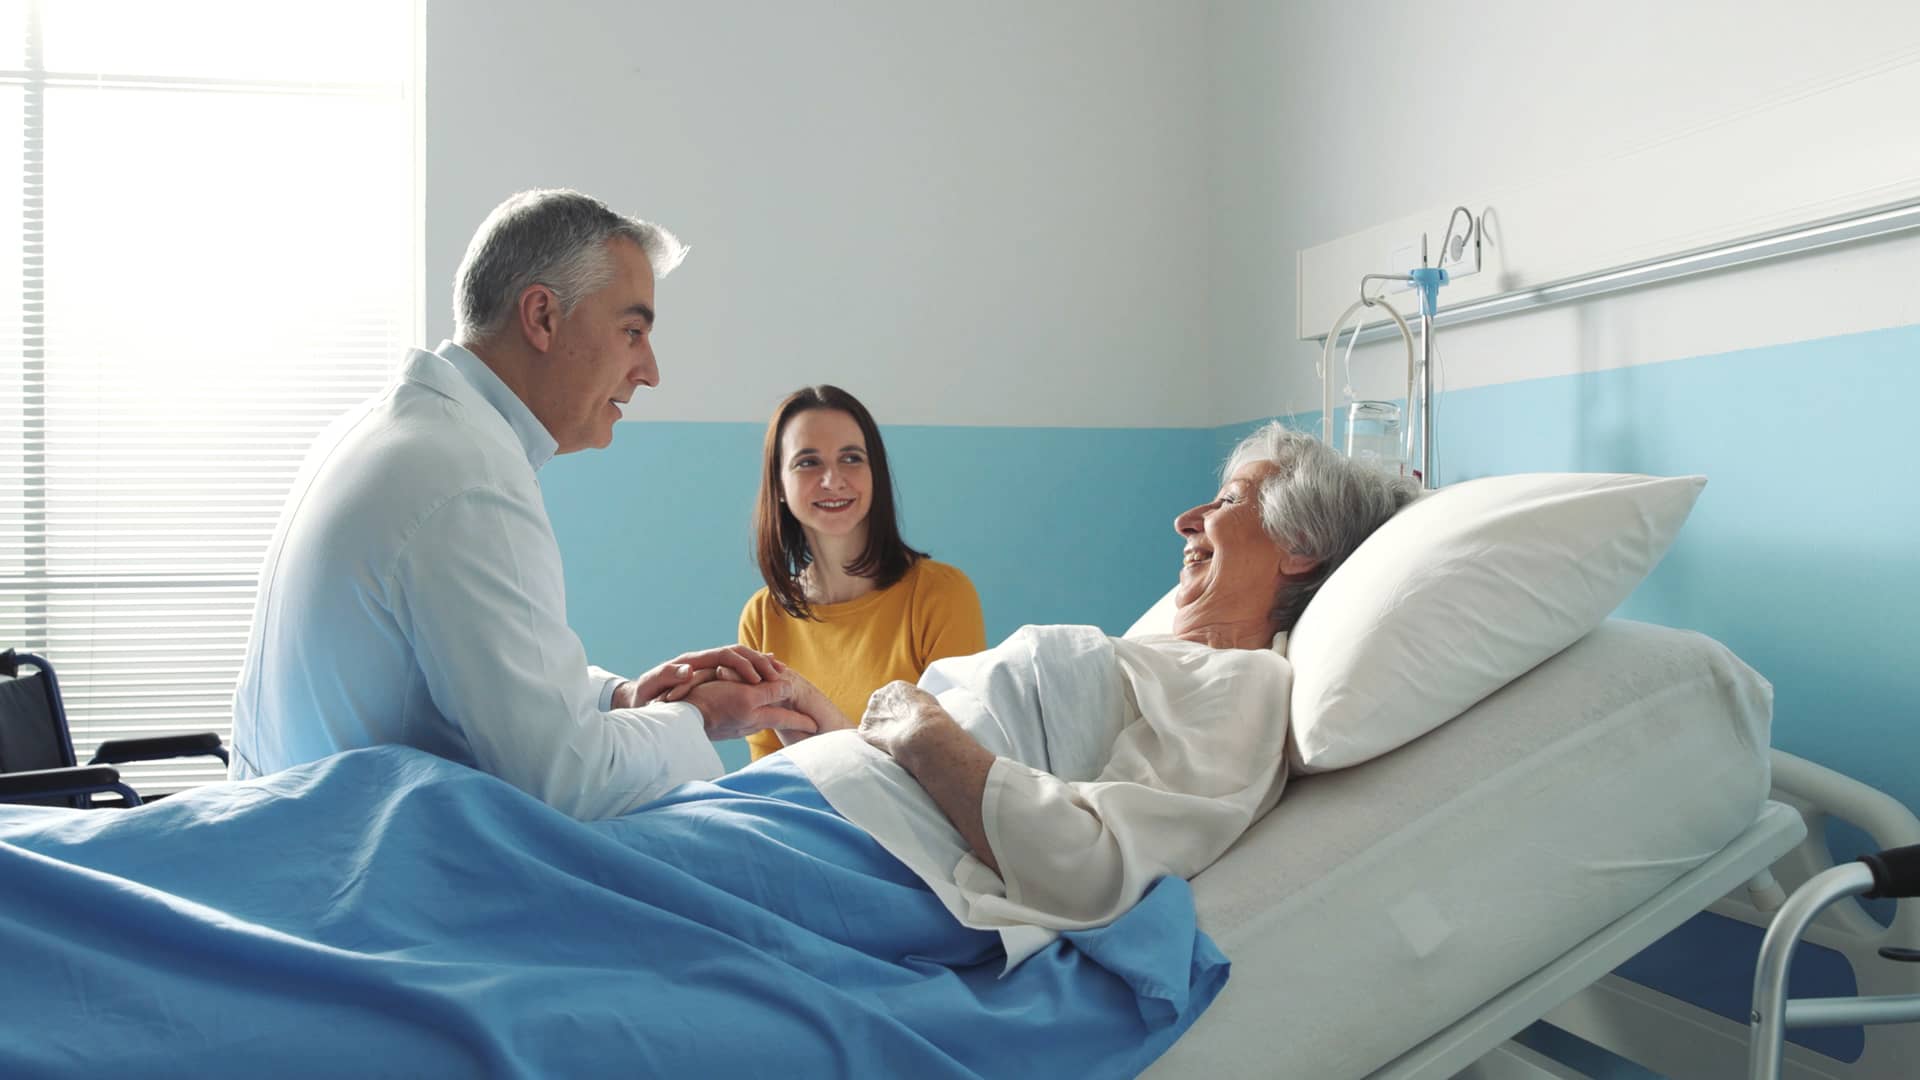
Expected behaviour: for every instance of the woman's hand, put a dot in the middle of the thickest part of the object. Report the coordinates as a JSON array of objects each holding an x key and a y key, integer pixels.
[
  {"x": 808, "y": 699},
  {"x": 896, "y": 713}
]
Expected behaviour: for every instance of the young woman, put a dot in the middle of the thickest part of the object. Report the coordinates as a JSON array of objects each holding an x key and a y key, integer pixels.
[{"x": 847, "y": 604}]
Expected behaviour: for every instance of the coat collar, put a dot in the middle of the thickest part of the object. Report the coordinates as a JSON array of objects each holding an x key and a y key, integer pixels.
[{"x": 458, "y": 374}]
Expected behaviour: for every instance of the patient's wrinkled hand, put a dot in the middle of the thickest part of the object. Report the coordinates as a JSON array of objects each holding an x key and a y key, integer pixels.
[{"x": 895, "y": 713}]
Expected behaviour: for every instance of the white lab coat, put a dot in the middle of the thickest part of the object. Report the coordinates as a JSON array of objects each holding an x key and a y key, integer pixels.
[{"x": 412, "y": 594}]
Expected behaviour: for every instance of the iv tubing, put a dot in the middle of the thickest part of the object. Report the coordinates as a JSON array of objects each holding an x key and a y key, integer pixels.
[{"x": 1326, "y": 372}]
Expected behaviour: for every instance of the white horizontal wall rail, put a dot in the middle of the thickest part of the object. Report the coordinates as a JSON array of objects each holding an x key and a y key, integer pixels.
[{"x": 1878, "y": 222}]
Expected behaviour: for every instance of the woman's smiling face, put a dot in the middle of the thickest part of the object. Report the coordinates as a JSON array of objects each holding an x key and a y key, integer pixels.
[{"x": 824, "y": 474}]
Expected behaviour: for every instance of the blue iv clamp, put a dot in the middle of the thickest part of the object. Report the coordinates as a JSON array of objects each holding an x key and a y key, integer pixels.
[{"x": 1428, "y": 280}]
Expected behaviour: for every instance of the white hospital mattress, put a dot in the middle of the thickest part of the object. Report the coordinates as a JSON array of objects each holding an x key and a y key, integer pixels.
[{"x": 1376, "y": 905}]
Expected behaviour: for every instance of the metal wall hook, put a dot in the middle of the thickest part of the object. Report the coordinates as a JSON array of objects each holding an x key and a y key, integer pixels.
[{"x": 1445, "y": 245}]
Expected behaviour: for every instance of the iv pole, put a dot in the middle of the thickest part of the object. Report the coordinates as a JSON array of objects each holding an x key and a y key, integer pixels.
[{"x": 1427, "y": 279}]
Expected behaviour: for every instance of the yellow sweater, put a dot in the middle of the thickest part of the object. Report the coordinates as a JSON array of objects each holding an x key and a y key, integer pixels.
[{"x": 861, "y": 645}]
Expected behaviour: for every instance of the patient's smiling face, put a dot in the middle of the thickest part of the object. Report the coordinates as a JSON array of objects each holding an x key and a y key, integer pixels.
[{"x": 1231, "y": 569}]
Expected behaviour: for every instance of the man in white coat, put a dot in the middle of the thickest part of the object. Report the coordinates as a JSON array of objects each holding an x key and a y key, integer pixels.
[{"x": 412, "y": 593}]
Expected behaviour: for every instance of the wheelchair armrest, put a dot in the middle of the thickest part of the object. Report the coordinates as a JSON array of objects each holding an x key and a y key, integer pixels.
[
  {"x": 59, "y": 783},
  {"x": 163, "y": 746}
]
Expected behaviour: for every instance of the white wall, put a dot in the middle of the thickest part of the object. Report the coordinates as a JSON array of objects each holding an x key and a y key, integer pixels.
[
  {"x": 989, "y": 213},
  {"x": 1084, "y": 213},
  {"x": 1337, "y": 115}
]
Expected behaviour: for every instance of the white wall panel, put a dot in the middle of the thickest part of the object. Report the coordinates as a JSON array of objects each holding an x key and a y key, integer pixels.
[
  {"x": 1811, "y": 155},
  {"x": 990, "y": 213},
  {"x": 1337, "y": 117}
]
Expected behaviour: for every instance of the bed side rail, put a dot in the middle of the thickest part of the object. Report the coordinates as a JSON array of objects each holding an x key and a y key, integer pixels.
[
  {"x": 1650, "y": 1027},
  {"x": 1821, "y": 794}
]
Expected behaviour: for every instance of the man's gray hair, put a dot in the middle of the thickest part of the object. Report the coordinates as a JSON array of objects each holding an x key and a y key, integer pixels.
[
  {"x": 552, "y": 237},
  {"x": 1318, "y": 504}
]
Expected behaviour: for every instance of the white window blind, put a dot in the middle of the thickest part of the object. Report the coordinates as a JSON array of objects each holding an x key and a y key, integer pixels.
[{"x": 217, "y": 233}]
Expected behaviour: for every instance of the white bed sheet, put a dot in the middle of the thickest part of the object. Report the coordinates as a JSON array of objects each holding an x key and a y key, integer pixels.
[{"x": 1376, "y": 905}]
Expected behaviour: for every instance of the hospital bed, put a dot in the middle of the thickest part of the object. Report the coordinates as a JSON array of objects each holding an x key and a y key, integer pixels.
[{"x": 1404, "y": 918}]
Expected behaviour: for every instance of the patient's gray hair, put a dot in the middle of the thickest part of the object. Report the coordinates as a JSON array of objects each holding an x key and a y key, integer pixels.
[
  {"x": 552, "y": 237},
  {"x": 1318, "y": 504}
]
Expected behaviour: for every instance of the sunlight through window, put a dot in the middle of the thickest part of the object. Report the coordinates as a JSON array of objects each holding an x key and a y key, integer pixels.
[{"x": 214, "y": 208}]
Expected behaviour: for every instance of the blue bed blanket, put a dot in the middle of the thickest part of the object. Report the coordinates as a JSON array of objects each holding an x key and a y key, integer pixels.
[{"x": 384, "y": 912}]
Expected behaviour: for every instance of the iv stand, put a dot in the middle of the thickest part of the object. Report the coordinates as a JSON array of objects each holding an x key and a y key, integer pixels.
[{"x": 1428, "y": 280}]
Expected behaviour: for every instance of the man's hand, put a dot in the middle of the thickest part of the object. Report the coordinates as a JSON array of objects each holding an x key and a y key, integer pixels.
[
  {"x": 732, "y": 709},
  {"x": 896, "y": 713},
  {"x": 673, "y": 680}
]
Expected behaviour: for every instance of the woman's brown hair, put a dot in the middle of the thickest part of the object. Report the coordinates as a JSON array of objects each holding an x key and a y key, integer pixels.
[{"x": 780, "y": 544}]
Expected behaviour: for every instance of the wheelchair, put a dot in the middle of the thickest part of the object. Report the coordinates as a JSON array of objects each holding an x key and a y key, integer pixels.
[{"x": 37, "y": 764}]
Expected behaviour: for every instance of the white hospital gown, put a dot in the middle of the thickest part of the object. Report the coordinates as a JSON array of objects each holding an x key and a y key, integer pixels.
[{"x": 1118, "y": 761}]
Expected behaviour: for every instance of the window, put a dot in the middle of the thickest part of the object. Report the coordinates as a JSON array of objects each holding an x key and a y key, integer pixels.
[{"x": 216, "y": 212}]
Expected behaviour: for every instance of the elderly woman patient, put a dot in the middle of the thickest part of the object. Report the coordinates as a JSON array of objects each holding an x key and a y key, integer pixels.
[{"x": 1045, "y": 784}]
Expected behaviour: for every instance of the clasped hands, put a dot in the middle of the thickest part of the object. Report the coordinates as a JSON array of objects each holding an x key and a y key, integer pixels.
[{"x": 740, "y": 691}]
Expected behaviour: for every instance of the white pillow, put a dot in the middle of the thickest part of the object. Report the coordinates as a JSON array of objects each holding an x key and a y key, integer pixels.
[{"x": 1464, "y": 591}]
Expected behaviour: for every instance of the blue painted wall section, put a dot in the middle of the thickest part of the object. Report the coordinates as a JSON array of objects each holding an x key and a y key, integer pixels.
[
  {"x": 1803, "y": 553},
  {"x": 1054, "y": 525}
]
